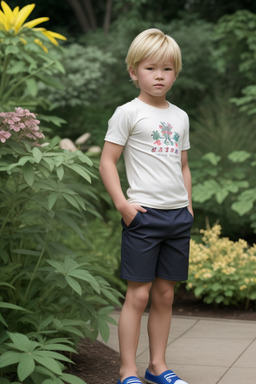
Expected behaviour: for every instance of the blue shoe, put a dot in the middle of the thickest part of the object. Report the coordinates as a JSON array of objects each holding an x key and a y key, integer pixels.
[
  {"x": 167, "y": 377},
  {"x": 130, "y": 380}
]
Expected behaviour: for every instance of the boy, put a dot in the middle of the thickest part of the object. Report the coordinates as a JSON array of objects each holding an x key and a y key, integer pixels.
[{"x": 157, "y": 217}]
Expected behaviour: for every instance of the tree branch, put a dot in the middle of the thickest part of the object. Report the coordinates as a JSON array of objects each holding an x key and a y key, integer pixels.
[
  {"x": 107, "y": 18},
  {"x": 90, "y": 13},
  {"x": 80, "y": 15}
]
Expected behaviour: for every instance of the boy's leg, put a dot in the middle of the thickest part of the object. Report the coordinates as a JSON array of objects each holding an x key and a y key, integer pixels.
[
  {"x": 136, "y": 300},
  {"x": 162, "y": 295}
]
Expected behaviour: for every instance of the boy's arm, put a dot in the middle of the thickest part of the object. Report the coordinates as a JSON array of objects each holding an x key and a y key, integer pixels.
[
  {"x": 110, "y": 155},
  {"x": 187, "y": 178}
]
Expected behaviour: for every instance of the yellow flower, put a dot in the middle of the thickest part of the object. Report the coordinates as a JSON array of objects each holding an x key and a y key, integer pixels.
[
  {"x": 12, "y": 21},
  {"x": 242, "y": 287}
]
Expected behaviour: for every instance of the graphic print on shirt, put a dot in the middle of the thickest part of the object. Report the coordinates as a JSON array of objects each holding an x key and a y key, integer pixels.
[{"x": 165, "y": 140}]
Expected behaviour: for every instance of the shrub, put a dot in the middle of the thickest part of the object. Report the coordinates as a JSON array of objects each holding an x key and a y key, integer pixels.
[
  {"x": 222, "y": 271},
  {"x": 103, "y": 245},
  {"x": 50, "y": 294},
  {"x": 226, "y": 187},
  {"x": 25, "y": 59}
]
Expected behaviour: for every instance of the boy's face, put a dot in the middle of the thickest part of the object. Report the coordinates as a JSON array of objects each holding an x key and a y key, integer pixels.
[{"x": 155, "y": 78}]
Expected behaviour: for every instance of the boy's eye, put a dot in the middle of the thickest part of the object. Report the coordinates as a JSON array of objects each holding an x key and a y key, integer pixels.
[
  {"x": 168, "y": 69},
  {"x": 150, "y": 68}
]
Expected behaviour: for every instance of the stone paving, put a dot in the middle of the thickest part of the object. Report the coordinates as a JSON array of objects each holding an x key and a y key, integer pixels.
[{"x": 203, "y": 350}]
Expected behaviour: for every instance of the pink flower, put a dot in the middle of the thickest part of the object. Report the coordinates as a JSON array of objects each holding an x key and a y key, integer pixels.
[
  {"x": 4, "y": 136},
  {"x": 21, "y": 124}
]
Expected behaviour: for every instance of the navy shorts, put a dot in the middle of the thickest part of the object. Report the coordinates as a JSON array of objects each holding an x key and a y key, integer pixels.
[{"x": 156, "y": 244}]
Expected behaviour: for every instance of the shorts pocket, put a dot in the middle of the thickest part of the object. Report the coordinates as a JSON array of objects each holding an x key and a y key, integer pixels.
[
  {"x": 190, "y": 214},
  {"x": 134, "y": 221}
]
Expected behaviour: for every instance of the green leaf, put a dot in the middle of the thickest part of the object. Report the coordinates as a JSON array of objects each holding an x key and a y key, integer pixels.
[
  {"x": 216, "y": 286},
  {"x": 50, "y": 81},
  {"x": 24, "y": 159},
  {"x": 252, "y": 296},
  {"x": 12, "y": 306},
  {"x": 52, "y": 198},
  {"x": 12, "y": 49},
  {"x": 32, "y": 86},
  {"x": 219, "y": 299},
  {"x": 60, "y": 172},
  {"x": 212, "y": 158},
  {"x": 2, "y": 320},
  {"x": 6, "y": 381},
  {"x": 26, "y": 367},
  {"x": 110, "y": 296},
  {"x": 22, "y": 342},
  {"x": 37, "y": 154},
  {"x": 71, "y": 379},
  {"x": 221, "y": 195},
  {"x": 56, "y": 121},
  {"x": 80, "y": 170},
  {"x": 59, "y": 347},
  {"x": 245, "y": 202},
  {"x": 103, "y": 328},
  {"x": 74, "y": 285},
  {"x": 242, "y": 207},
  {"x": 86, "y": 276},
  {"x": 204, "y": 191},
  {"x": 9, "y": 358},
  {"x": 28, "y": 174},
  {"x": 239, "y": 156},
  {"x": 198, "y": 291},
  {"x": 53, "y": 355},
  {"x": 71, "y": 200},
  {"x": 26, "y": 252},
  {"x": 49, "y": 363}
]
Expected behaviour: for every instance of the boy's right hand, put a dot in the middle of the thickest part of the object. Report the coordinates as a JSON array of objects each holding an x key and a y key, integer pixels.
[{"x": 129, "y": 211}]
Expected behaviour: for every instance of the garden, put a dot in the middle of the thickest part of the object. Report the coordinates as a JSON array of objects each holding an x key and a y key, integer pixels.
[{"x": 59, "y": 231}]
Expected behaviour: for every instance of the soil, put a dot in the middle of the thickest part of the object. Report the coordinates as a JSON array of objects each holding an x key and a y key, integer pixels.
[{"x": 98, "y": 364}]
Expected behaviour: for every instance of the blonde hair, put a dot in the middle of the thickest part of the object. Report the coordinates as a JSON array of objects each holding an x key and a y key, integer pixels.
[{"x": 153, "y": 42}]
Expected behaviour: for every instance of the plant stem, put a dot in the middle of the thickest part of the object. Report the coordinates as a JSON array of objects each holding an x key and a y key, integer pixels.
[
  {"x": 36, "y": 268},
  {"x": 4, "y": 75},
  {"x": 44, "y": 296},
  {"x": 7, "y": 94}
]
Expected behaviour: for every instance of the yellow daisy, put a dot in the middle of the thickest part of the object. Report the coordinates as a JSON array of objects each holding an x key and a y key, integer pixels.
[{"x": 12, "y": 21}]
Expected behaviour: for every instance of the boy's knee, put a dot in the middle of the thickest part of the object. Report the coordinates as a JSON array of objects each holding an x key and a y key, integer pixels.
[
  {"x": 139, "y": 297},
  {"x": 163, "y": 294}
]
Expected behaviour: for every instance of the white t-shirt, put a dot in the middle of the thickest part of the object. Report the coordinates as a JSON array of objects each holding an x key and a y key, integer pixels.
[{"x": 153, "y": 139}]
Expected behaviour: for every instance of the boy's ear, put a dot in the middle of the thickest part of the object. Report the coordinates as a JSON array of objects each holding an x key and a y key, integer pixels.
[{"x": 132, "y": 73}]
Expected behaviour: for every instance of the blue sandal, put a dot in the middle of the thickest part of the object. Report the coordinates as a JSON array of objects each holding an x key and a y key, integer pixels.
[
  {"x": 167, "y": 377},
  {"x": 130, "y": 380}
]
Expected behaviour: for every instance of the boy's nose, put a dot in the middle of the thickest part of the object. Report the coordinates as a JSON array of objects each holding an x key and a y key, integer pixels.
[{"x": 159, "y": 75}]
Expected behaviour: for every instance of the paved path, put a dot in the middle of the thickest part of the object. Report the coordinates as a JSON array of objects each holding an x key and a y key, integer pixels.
[{"x": 203, "y": 350}]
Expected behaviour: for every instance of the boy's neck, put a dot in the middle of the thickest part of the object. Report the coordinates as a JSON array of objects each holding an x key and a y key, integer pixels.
[{"x": 160, "y": 103}]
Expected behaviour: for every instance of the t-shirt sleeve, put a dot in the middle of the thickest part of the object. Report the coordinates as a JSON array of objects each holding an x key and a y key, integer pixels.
[
  {"x": 119, "y": 127},
  {"x": 186, "y": 142}
]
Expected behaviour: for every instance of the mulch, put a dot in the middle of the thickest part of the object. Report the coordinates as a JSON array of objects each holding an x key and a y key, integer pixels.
[{"x": 98, "y": 364}]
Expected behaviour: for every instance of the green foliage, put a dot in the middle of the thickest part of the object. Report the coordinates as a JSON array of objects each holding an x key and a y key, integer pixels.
[
  {"x": 103, "y": 245},
  {"x": 246, "y": 102},
  {"x": 225, "y": 188},
  {"x": 196, "y": 40},
  {"x": 86, "y": 70},
  {"x": 222, "y": 271},
  {"x": 222, "y": 170},
  {"x": 50, "y": 294},
  {"x": 220, "y": 128},
  {"x": 22, "y": 67},
  {"x": 236, "y": 38},
  {"x": 86, "y": 77}
]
